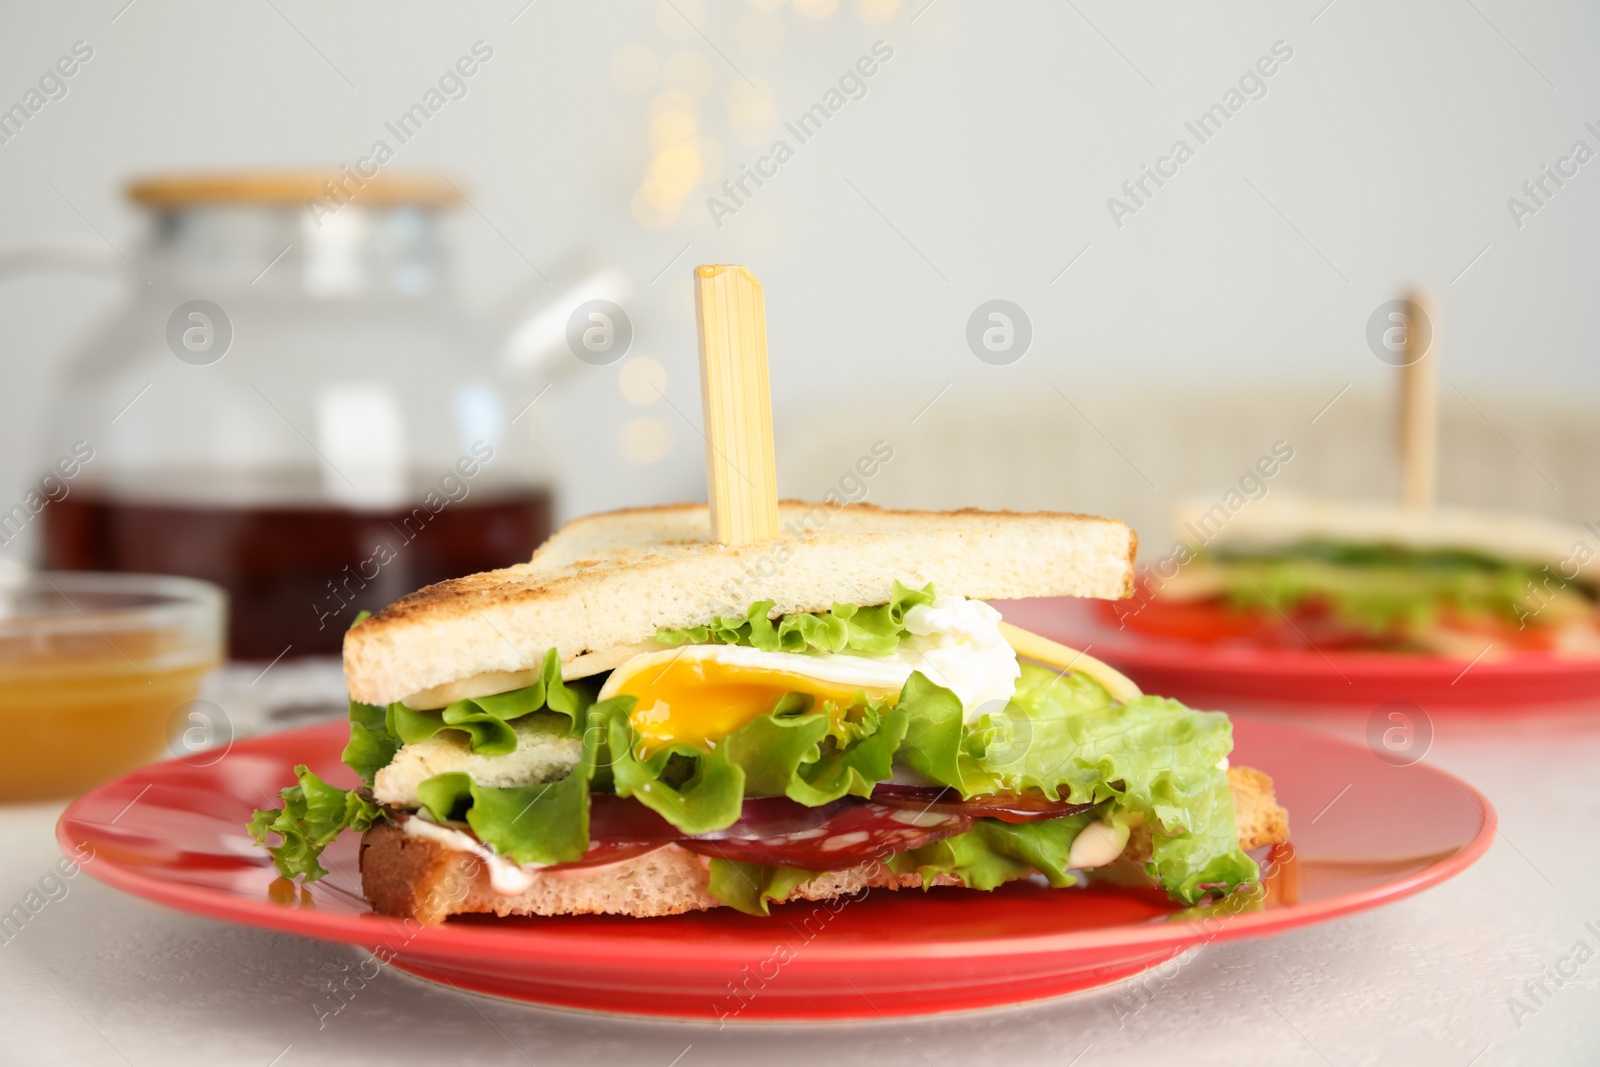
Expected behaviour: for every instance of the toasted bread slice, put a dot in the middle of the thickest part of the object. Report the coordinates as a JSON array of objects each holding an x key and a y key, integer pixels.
[
  {"x": 1260, "y": 818},
  {"x": 609, "y": 581},
  {"x": 419, "y": 879}
]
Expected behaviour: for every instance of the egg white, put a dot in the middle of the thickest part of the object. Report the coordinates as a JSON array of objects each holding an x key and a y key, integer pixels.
[{"x": 955, "y": 642}]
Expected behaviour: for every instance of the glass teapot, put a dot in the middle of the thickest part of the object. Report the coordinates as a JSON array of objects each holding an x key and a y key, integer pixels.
[{"x": 294, "y": 406}]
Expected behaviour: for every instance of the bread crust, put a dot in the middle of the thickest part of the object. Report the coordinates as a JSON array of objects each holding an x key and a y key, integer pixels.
[
  {"x": 1261, "y": 819},
  {"x": 420, "y": 879},
  {"x": 616, "y": 579}
]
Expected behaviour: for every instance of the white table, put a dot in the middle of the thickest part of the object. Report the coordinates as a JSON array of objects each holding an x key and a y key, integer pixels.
[{"x": 100, "y": 977}]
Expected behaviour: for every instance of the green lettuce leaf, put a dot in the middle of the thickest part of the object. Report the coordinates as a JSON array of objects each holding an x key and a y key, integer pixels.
[
  {"x": 873, "y": 631},
  {"x": 1064, "y": 737},
  {"x": 376, "y": 733},
  {"x": 485, "y": 720},
  {"x": 994, "y": 852},
  {"x": 1204, "y": 856},
  {"x": 313, "y": 814},
  {"x": 541, "y": 824},
  {"x": 1395, "y": 590},
  {"x": 371, "y": 746},
  {"x": 934, "y": 729},
  {"x": 990, "y": 854},
  {"x": 790, "y": 751},
  {"x": 794, "y": 751},
  {"x": 751, "y": 887}
]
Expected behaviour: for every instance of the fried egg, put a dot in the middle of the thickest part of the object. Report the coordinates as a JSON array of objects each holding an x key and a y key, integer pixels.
[{"x": 698, "y": 694}]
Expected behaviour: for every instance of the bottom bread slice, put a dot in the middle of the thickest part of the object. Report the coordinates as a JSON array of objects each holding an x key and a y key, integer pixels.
[{"x": 420, "y": 879}]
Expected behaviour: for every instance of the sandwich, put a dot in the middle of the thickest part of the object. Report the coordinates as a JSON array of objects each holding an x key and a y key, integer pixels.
[
  {"x": 1304, "y": 574},
  {"x": 643, "y": 721}
]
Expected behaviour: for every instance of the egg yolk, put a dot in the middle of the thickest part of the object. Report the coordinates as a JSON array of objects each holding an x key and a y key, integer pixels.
[{"x": 700, "y": 701}]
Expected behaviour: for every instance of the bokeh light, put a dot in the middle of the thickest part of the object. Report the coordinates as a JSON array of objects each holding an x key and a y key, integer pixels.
[
  {"x": 645, "y": 440},
  {"x": 671, "y": 126},
  {"x": 642, "y": 380},
  {"x": 874, "y": 12},
  {"x": 690, "y": 73},
  {"x": 676, "y": 170}
]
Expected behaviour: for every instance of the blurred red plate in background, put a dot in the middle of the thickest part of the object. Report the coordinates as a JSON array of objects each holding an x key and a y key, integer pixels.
[
  {"x": 1205, "y": 675},
  {"x": 174, "y": 833}
]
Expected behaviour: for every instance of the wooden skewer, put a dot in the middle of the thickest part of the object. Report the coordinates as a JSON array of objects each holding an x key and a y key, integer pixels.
[
  {"x": 741, "y": 466},
  {"x": 1419, "y": 404}
]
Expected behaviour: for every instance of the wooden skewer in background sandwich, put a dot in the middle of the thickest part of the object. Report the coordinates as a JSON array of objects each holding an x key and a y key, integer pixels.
[
  {"x": 778, "y": 716},
  {"x": 1408, "y": 577}
]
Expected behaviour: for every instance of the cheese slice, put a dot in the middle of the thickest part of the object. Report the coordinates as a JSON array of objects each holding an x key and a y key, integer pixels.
[
  {"x": 1052, "y": 654},
  {"x": 489, "y": 683}
]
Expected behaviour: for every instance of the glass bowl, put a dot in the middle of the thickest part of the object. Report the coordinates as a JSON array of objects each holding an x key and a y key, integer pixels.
[{"x": 98, "y": 675}]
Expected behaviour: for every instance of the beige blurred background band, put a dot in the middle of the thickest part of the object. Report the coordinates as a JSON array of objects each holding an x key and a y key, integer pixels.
[
  {"x": 967, "y": 167},
  {"x": 1132, "y": 452}
]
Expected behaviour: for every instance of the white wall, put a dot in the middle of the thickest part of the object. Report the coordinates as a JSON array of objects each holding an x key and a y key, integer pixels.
[{"x": 977, "y": 166}]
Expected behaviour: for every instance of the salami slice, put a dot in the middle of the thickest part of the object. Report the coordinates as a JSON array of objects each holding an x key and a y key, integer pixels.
[
  {"x": 618, "y": 820},
  {"x": 781, "y": 832},
  {"x": 835, "y": 836},
  {"x": 774, "y": 830}
]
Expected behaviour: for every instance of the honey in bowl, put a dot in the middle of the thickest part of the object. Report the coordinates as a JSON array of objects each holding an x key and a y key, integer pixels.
[{"x": 95, "y": 674}]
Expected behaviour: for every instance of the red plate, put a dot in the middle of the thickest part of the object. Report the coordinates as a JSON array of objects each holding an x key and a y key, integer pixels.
[
  {"x": 174, "y": 833},
  {"x": 1212, "y": 675}
]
